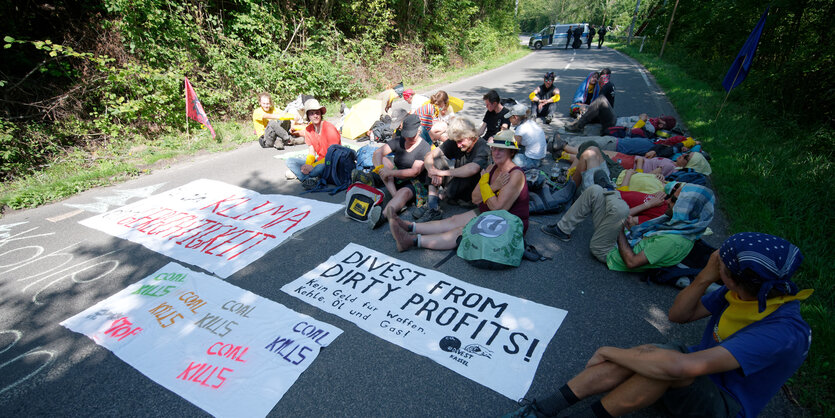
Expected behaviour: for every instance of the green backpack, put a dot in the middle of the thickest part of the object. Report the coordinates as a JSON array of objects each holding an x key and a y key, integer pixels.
[{"x": 493, "y": 240}]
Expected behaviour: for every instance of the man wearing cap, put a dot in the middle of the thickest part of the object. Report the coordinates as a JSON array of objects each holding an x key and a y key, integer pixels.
[
  {"x": 495, "y": 119},
  {"x": 403, "y": 176},
  {"x": 755, "y": 339},
  {"x": 470, "y": 154},
  {"x": 660, "y": 242},
  {"x": 318, "y": 136},
  {"x": 543, "y": 97},
  {"x": 530, "y": 136}
]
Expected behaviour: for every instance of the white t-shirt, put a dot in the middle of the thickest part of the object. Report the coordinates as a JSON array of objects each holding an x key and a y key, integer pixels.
[
  {"x": 418, "y": 100},
  {"x": 532, "y": 138}
]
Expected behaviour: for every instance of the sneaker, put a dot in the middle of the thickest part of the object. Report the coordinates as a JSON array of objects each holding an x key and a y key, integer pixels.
[
  {"x": 557, "y": 144},
  {"x": 573, "y": 126},
  {"x": 528, "y": 409},
  {"x": 310, "y": 182},
  {"x": 374, "y": 216},
  {"x": 430, "y": 215},
  {"x": 279, "y": 145},
  {"x": 555, "y": 231}
]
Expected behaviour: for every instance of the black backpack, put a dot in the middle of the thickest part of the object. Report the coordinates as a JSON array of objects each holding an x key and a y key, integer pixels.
[{"x": 339, "y": 162}]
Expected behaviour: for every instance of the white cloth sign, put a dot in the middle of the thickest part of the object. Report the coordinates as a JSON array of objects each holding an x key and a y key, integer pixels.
[
  {"x": 212, "y": 225},
  {"x": 224, "y": 349},
  {"x": 492, "y": 338}
]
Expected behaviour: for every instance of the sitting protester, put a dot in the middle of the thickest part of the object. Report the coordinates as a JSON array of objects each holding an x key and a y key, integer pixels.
[
  {"x": 585, "y": 94},
  {"x": 755, "y": 339},
  {"x": 543, "y": 99},
  {"x": 438, "y": 109},
  {"x": 502, "y": 186},
  {"x": 602, "y": 109},
  {"x": 402, "y": 175},
  {"x": 318, "y": 136},
  {"x": 272, "y": 126},
  {"x": 530, "y": 136},
  {"x": 456, "y": 166},
  {"x": 495, "y": 119}
]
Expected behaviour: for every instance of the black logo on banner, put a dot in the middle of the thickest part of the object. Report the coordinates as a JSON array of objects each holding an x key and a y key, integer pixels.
[
  {"x": 479, "y": 350},
  {"x": 450, "y": 344}
]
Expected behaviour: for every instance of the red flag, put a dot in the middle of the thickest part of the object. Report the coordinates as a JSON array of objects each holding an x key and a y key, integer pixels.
[{"x": 194, "y": 109}]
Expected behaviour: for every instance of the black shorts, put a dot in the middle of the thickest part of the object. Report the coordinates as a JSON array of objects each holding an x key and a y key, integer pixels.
[{"x": 702, "y": 398}]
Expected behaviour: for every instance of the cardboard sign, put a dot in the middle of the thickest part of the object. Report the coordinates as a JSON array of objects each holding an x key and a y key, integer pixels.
[
  {"x": 212, "y": 225},
  {"x": 492, "y": 338},
  {"x": 224, "y": 349}
]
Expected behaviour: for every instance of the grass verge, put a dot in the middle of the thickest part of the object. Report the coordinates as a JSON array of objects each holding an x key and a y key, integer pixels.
[
  {"x": 771, "y": 176},
  {"x": 116, "y": 161}
]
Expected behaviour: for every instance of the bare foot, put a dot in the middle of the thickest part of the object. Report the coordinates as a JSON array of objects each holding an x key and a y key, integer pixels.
[{"x": 400, "y": 222}]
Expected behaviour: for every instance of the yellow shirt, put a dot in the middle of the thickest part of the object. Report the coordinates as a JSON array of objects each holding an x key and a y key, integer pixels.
[{"x": 258, "y": 120}]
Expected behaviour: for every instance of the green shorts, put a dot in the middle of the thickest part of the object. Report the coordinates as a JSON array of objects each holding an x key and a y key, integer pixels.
[{"x": 702, "y": 398}]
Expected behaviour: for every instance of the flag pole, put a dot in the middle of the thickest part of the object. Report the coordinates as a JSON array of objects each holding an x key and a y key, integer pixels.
[{"x": 729, "y": 91}]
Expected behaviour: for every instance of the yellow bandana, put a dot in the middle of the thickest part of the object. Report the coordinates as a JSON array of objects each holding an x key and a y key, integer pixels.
[{"x": 741, "y": 313}]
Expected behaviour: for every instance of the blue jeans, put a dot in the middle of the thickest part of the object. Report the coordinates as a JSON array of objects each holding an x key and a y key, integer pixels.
[
  {"x": 295, "y": 165},
  {"x": 525, "y": 162}
]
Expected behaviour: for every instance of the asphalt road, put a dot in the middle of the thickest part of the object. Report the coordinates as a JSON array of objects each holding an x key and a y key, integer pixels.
[{"x": 51, "y": 268}]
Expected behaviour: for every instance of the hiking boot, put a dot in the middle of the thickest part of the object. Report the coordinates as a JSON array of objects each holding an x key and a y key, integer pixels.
[
  {"x": 402, "y": 238},
  {"x": 557, "y": 144},
  {"x": 528, "y": 409},
  {"x": 310, "y": 182},
  {"x": 573, "y": 126},
  {"x": 430, "y": 215},
  {"x": 289, "y": 175},
  {"x": 555, "y": 231},
  {"x": 374, "y": 217}
]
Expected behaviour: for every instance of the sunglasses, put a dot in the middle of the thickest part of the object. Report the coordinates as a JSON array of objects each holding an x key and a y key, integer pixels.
[{"x": 672, "y": 195}]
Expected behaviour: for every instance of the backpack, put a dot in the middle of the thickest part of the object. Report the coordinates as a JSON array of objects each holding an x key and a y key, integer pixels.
[
  {"x": 339, "y": 162},
  {"x": 616, "y": 131},
  {"x": 688, "y": 175},
  {"x": 365, "y": 156},
  {"x": 493, "y": 240},
  {"x": 360, "y": 199}
]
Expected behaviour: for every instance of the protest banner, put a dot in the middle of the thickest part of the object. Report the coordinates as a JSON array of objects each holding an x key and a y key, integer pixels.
[
  {"x": 492, "y": 338},
  {"x": 222, "y": 348},
  {"x": 213, "y": 225}
]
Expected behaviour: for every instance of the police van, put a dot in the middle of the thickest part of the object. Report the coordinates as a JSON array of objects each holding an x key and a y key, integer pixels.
[{"x": 556, "y": 34}]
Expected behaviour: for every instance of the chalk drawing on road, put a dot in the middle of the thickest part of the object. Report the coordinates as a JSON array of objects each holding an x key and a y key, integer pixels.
[
  {"x": 28, "y": 356},
  {"x": 65, "y": 216},
  {"x": 16, "y": 258},
  {"x": 121, "y": 197},
  {"x": 658, "y": 319}
]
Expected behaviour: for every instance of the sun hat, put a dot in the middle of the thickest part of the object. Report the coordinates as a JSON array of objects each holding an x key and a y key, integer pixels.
[
  {"x": 313, "y": 104},
  {"x": 505, "y": 139}
]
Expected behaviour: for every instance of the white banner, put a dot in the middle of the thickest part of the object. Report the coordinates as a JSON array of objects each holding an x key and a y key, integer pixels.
[
  {"x": 213, "y": 225},
  {"x": 224, "y": 349},
  {"x": 492, "y": 338}
]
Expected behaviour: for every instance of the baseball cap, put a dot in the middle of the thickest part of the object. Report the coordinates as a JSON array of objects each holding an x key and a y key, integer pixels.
[{"x": 411, "y": 124}]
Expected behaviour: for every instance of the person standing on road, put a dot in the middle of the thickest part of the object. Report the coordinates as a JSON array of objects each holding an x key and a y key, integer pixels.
[
  {"x": 568, "y": 37},
  {"x": 601, "y": 34},
  {"x": 543, "y": 97},
  {"x": 578, "y": 37},
  {"x": 591, "y": 36},
  {"x": 495, "y": 119},
  {"x": 754, "y": 341},
  {"x": 318, "y": 136}
]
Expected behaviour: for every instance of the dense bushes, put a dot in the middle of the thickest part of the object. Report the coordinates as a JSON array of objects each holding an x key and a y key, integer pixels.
[{"x": 115, "y": 68}]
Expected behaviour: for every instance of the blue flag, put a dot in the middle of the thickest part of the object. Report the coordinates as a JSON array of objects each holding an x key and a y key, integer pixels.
[{"x": 742, "y": 63}]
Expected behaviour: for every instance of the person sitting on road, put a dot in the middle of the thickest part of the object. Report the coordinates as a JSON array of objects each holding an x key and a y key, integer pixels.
[
  {"x": 601, "y": 110},
  {"x": 586, "y": 92},
  {"x": 470, "y": 155},
  {"x": 438, "y": 109},
  {"x": 530, "y": 136},
  {"x": 495, "y": 119},
  {"x": 272, "y": 126},
  {"x": 543, "y": 99},
  {"x": 403, "y": 176},
  {"x": 318, "y": 136},
  {"x": 755, "y": 339},
  {"x": 414, "y": 100},
  {"x": 661, "y": 242},
  {"x": 502, "y": 186}
]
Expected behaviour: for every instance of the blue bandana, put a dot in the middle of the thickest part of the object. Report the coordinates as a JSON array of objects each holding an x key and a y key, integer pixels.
[{"x": 772, "y": 260}]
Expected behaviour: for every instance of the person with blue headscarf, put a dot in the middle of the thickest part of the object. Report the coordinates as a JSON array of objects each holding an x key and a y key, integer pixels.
[{"x": 754, "y": 341}]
